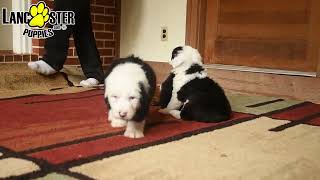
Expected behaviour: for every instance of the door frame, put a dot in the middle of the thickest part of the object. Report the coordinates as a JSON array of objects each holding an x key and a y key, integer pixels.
[
  {"x": 21, "y": 44},
  {"x": 196, "y": 29},
  {"x": 195, "y": 24}
]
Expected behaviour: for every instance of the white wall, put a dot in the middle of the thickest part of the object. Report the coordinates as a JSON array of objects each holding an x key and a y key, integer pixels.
[
  {"x": 11, "y": 35},
  {"x": 5, "y": 30},
  {"x": 141, "y": 22}
]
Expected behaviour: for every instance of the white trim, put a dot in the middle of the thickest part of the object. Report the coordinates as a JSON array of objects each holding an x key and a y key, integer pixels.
[
  {"x": 21, "y": 44},
  {"x": 260, "y": 70}
]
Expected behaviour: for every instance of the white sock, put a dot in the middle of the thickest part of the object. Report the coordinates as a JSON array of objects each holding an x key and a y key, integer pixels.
[
  {"x": 41, "y": 67},
  {"x": 90, "y": 82}
]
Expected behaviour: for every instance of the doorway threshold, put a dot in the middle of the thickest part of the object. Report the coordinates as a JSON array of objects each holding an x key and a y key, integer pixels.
[{"x": 260, "y": 70}]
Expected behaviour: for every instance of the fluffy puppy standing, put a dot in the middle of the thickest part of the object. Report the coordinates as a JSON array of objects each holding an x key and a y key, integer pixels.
[
  {"x": 129, "y": 87},
  {"x": 189, "y": 94}
]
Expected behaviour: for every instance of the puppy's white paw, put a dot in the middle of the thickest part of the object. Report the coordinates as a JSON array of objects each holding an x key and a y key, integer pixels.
[
  {"x": 133, "y": 133},
  {"x": 134, "y": 129},
  {"x": 116, "y": 123},
  {"x": 164, "y": 111},
  {"x": 175, "y": 114}
]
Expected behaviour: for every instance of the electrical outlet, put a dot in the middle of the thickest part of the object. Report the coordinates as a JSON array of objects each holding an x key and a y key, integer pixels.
[{"x": 164, "y": 33}]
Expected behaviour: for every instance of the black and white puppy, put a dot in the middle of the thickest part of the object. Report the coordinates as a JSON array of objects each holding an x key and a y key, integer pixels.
[
  {"x": 129, "y": 87},
  {"x": 189, "y": 94}
]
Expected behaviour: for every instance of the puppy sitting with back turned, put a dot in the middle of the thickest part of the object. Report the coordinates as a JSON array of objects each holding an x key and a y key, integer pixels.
[
  {"x": 189, "y": 94},
  {"x": 129, "y": 87}
]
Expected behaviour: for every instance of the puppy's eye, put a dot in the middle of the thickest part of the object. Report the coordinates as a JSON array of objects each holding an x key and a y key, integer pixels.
[
  {"x": 132, "y": 98},
  {"x": 114, "y": 97}
]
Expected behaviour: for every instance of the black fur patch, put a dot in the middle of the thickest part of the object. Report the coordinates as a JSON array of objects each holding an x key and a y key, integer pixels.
[
  {"x": 176, "y": 51},
  {"x": 145, "y": 100},
  {"x": 106, "y": 100},
  {"x": 194, "y": 69},
  {"x": 207, "y": 101},
  {"x": 166, "y": 91}
]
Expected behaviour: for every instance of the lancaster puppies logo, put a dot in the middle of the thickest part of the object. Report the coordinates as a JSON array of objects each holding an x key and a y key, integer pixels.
[{"x": 38, "y": 16}]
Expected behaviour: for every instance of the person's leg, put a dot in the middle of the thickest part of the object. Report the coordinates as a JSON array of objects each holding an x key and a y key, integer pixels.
[
  {"x": 56, "y": 47},
  {"x": 86, "y": 46}
]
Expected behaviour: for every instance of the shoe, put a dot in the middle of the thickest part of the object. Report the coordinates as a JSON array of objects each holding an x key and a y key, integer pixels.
[
  {"x": 41, "y": 67},
  {"x": 90, "y": 82}
]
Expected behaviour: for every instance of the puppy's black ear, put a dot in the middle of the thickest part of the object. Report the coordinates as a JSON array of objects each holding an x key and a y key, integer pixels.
[
  {"x": 176, "y": 51},
  {"x": 145, "y": 100},
  {"x": 106, "y": 100}
]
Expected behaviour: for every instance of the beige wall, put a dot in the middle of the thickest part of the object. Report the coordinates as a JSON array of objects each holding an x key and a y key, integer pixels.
[
  {"x": 141, "y": 22},
  {"x": 5, "y": 30}
]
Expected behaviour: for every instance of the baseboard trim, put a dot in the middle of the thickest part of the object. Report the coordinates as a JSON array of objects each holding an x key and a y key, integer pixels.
[
  {"x": 286, "y": 85},
  {"x": 260, "y": 70}
]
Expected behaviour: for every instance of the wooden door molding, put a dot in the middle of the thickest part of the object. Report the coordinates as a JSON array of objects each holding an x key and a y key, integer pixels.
[
  {"x": 211, "y": 32},
  {"x": 314, "y": 34},
  {"x": 195, "y": 24}
]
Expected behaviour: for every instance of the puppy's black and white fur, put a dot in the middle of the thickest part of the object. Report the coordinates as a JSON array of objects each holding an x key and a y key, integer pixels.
[
  {"x": 189, "y": 94},
  {"x": 129, "y": 87}
]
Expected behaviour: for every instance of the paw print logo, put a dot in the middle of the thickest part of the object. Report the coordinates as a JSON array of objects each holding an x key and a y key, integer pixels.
[{"x": 40, "y": 15}]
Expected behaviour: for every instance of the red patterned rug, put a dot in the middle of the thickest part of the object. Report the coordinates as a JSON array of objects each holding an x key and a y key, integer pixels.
[{"x": 58, "y": 132}]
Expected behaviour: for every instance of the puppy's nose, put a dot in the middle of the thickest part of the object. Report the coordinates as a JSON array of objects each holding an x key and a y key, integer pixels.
[{"x": 123, "y": 114}]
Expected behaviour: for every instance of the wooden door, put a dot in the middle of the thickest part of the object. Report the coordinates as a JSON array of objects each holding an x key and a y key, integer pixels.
[{"x": 277, "y": 34}]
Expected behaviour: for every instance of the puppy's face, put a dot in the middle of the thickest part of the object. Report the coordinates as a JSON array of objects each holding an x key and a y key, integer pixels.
[
  {"x": 123, "y": 104},
  {"x": 185, "y": 55}
]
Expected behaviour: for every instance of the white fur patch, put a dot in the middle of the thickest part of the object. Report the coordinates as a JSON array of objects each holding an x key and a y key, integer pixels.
[
  {"x": 117, "y": 123},
  {"x": 125, "y": 77}
]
